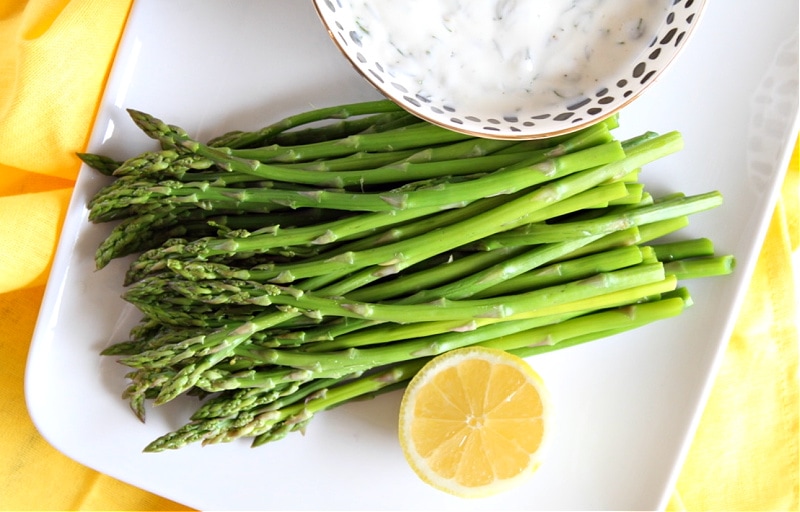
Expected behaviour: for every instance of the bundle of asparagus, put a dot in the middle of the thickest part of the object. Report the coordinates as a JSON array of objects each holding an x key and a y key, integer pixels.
[{"x": 328, "y": 256}]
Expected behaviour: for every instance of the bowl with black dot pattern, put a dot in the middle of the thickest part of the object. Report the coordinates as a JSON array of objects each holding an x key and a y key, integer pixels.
[{"x": 526, "y": 114}]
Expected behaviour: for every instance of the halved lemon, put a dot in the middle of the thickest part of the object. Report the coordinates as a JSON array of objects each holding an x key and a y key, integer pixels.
[{"x": 473, "y": 421}]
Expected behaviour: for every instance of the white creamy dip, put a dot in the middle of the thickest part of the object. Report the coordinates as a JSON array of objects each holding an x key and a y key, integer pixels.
[{"x": 506, "y": 53}]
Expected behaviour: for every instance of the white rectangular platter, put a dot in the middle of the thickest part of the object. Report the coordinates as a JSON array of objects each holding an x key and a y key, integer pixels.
[{"x": 626, "y": 407}]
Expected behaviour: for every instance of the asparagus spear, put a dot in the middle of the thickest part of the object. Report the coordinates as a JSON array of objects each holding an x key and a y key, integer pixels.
[
  {"x": 104, "y": 164},
  {"x": 268, "y": 423},
  {"x": 401, "y": 138},
  {"x": 243, "y": 139},
  {"x": 165, "y": 219},
  {"x": 512, "y": 214},
  {"x": 284, "y": 318},
  {"x": 564, "y": 187},
  {"x": 549, "y": 233}
]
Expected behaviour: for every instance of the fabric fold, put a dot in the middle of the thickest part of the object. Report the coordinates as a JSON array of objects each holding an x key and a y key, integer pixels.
[
  {"x": 29, "y": 229},
  {"x": 61, "y": 51}
]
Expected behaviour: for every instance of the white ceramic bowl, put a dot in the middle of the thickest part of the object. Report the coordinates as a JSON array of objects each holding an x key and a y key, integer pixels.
[{"x": 513, "y": 110}]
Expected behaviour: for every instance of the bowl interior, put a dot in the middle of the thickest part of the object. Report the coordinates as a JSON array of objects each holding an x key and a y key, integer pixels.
[{"x": 486, "y": 85}]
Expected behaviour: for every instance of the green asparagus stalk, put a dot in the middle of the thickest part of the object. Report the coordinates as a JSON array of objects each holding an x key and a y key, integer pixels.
[
  {"x": 265, "y": 135},
  {"x": 204, "y": 248},
  {"x": 566, "y": 270},
  {"x": 251, "y": 294},
  {"x": 682, "y": 249},
  {"x": 268, "y": 417},
  {"x": 550, "y": 300},
  {"x": 274, "y": 422},
  {"x": 413, "y": 136},
  {"x": 558, "y": 300},
  {"x": 512, "y": 214},
  {"x": 443, "y": 194},
  {"x": 328, "y": 131},
  {"x": 151, "y": 230},
  {"x": 388, "y": 226},
  {"x": 470, "y": 283},
  {"x": 549, "y": 233},
  {"x": 595, "y": 179},
  {"x": 588, "y": 327},
  {"x": 104, "y": 164},
  {"x": 701, "y": 267}
]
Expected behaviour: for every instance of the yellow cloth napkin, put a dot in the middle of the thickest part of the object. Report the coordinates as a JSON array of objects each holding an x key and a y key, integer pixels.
[
  {"x": 54, "y": 60},
  {"x": 745, "y": 453}
]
